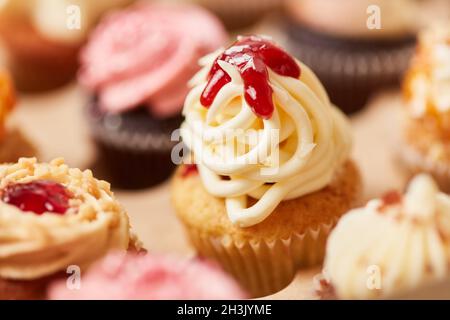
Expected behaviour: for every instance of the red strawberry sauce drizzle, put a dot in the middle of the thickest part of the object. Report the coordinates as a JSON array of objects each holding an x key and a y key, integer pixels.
[
  {"x": 189, "y": 169},
  {"x": 251, "y": 56},
  {"x": 37, "y": 196}
]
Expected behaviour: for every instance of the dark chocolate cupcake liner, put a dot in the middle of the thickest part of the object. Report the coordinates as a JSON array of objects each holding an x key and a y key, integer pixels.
[
  {"x": 130, "y": 159},
  {"x": 351, "y": 70},
  {"x": 240, "y": 13}
]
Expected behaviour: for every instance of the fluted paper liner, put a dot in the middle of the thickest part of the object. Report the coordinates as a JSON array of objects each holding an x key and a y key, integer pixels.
[
  {"x": 416, "y": 162},
  {"x": 264, "y": 267}
]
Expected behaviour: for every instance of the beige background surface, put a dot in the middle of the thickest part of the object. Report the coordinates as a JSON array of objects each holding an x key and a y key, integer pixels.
[{"x": 54, "y": 122}]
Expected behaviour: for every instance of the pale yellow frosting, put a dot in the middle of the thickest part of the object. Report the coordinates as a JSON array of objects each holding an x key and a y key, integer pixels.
[
  {"x": 51, "y": 17},
  {"x": 33, "y": 246},
  {"x": 313, "y": 140},
  {"x": 389, "y": 247}
]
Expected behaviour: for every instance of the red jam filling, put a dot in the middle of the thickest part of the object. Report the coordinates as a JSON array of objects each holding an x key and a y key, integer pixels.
[
  {"x": 38, "y": 196},
  {"x": 189, "y": 169},
  {"x": 251, "y": 55}
]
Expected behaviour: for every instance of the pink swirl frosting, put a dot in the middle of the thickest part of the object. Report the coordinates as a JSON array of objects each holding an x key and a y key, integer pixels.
[
  {"x": 146, "y": 55},
  {"x": 146, "y": 277}
]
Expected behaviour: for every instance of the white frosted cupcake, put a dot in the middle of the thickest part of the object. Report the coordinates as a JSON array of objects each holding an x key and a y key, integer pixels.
[
  {"x": 354, "y": 53},
  {"x": 274, "y": 165},
  {"x": 392, "y": 245}
]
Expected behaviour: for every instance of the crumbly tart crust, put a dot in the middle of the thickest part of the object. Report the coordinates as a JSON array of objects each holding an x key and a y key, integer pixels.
[
  {"x": 265, "y": 257},
  {"x": 34, "y": 249}
]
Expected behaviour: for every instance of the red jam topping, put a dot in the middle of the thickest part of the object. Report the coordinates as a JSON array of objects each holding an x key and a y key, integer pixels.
[
  {"x": 251, "y": 56},
  {"x": 38, "y": 196},
  {"x": 389, "y": 199},
  {"x": 189, "y": 169}
]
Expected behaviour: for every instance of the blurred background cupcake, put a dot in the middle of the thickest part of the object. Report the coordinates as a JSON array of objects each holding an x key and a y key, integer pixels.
[
  {"x": 352, "y": 54},
  {"x": 149, "y": 277},
  {"x": 42, "y": 38},
  {"x": 391, "y": 247},
  {"x": 426, "y": 134},
  {"x": 136, "y": 66},
  {"x": 240, "y": 13},
  {"x": 13, "y": 144}
]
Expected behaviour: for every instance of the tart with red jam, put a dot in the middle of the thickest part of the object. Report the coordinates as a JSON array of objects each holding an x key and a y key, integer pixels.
[{"x": 53, "y": 217}]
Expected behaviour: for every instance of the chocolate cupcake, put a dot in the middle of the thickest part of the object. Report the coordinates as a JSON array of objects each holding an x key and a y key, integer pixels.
[
  {"x": 41, "y": 48},
  {"x": 352, "y": 59},
  {"x": 136, "y": 66}
]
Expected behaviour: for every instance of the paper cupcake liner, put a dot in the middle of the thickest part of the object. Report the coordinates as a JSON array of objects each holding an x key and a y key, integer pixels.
[
  {"x": 238, "y": 13},
  {"x": 266, "y": 266},
  {"x": 131, "y": 159},
  {"x": 350, "y": 70},
  {"x": 415, "y": 162}
]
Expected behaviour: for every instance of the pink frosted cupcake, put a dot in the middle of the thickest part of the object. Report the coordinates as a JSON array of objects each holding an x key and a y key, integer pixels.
[
  {"x": 136, "y": 66},
  {"x": 146, "y": 277}
]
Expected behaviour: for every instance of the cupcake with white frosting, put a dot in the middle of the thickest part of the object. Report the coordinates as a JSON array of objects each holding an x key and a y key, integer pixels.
[
  {"x": 43, "y": 37},
  {"x": 53, "y": 217},
  {"x": 426, "y": 132},
  {"x": 392, "y": 245},
  {"x": 272, "y": 172}
]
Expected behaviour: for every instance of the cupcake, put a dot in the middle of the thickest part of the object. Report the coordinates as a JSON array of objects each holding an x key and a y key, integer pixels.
[
  {"x": 426, "y": 130},
  {"x": 136, "y": 66},
  {"x": 13, "y": 144},
  {"x": 53, "y": 217},
  {"x": 341, "y": 42},
  {"x": 147, "y": 277},
  {"x": 273, "y": 168},
  {"x": 238, "y": 14},
  {"x": 392, "y": 246},
  {"x": 42, "y": 38}
]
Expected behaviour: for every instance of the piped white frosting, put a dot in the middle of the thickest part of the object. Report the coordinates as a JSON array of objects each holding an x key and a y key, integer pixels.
[
  {"x": 384, "y": 248},
  {"x": 295, "y": 152}
]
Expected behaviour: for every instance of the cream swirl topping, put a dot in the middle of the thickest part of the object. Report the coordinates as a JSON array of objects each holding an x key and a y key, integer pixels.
[
  {"x": 34, "y": 246},
  {"x": 240, "y": 155},
  {"x": 392, "y": 244}
]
